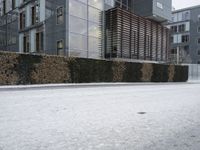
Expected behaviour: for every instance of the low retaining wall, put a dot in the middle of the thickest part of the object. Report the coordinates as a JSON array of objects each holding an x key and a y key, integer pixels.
[{"x": 35, "y": 69}]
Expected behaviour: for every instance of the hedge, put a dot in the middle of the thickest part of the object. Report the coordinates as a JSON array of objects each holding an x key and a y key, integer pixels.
[{"x": 37, "y": 69}]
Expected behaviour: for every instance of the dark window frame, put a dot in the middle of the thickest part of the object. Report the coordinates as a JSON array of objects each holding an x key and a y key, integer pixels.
[{"x": 59, "y": 14}]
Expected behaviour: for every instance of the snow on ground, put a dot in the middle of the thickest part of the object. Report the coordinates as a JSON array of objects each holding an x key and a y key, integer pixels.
[{"x": 132, "y": 117}]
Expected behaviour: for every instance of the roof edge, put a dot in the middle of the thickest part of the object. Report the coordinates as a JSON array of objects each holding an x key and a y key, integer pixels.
[{"x": 187, "y": 8}]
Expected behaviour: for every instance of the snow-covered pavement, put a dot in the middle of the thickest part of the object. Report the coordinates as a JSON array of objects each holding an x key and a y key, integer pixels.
[{"x": 137, "y": 117}]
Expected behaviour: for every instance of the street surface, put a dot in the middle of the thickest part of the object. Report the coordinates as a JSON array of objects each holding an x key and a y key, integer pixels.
[{"x": 132, "y": 117}]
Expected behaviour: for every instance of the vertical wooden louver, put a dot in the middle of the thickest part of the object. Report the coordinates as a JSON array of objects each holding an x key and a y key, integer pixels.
[{"x": 134, "y": 37}]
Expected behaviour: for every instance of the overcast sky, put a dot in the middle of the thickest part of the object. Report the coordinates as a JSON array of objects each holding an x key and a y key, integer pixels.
[{"x": 178, "y": 4}]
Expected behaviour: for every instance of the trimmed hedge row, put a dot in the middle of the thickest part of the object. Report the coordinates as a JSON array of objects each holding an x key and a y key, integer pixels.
[{"x": 36, "y": 69}]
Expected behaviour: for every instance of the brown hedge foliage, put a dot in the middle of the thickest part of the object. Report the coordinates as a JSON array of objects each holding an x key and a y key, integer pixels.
[
  {"x": 50, "y": 70},
  {"x": 118, "y": 68},
  {"x": 171, "y": 73},
  {"x": 8, "y": 74},
  {"x": 37, "y": 69},
  {"x": 147, "y": 72}
]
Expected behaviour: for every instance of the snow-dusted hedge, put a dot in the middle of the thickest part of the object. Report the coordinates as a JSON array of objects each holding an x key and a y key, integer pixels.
[{"x": 37, "y": 69}]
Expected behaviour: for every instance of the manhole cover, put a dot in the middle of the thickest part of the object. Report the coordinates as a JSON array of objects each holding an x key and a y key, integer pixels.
[{"x": 141, "y": 113}]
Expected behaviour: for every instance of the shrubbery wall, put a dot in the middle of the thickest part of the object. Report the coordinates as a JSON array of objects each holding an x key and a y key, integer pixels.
[{"x": 34, "y": 69}]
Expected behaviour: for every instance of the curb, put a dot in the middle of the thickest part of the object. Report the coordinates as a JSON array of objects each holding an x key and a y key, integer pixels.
[{"x": 89, "y": 85}]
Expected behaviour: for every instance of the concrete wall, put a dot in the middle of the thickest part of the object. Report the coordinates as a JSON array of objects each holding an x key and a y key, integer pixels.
[
  {"x": 143, "y": 7},
  {"x": 194, "y": 72},
  {"x": 54, "y": 32},
  {"x": 158, "y": 10},
  {"x": 164, "y": 13}
]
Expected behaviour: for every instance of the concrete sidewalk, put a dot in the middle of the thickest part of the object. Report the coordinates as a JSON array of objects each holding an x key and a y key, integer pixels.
[{"x": 132, "y": 117}]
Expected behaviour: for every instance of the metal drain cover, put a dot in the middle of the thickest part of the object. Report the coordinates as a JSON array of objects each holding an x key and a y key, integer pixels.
[{"x": 141, "y": 113}]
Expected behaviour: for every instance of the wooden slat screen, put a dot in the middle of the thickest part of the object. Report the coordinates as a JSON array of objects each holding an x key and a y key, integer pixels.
[{"x": 134, "y": 37}]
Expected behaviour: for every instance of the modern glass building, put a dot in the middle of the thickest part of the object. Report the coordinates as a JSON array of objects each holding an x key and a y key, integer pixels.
[{"x": 73, "y": 28}]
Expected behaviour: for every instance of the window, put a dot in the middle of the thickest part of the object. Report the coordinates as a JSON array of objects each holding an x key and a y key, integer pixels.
[
  {"x": 172, "y": 39},
  {"x": 39, "y": 42},
  {"x": 60, "y": 47},
  {"x": 26, "y": 43},
  {"x": 78, "y": 42},
  {"x": 60, "y": 15},
  {"x": 175, "y": 17},
  {"x": 4, "y": 7},
  {"x": 198, "y": 41},
  {"x": 94, "y": 50},
  {"x": 172, "y": 18},
  {"x": 96, "y": 3},
  {"x": 181, "y": 28},
  {"x": 198, "y": 52},
  {"x": 159, "y": 5},
  {"x": 78, "y": 25},
  {"x": 186, "y": 49},
  {"x": 94, "y": 15},
  {"x": 174, "y": 29},
  {"x": 198, "y": 29},
  {"x": 186, "y": 15},
  {"x": 110, "y": 2},
  {"x": 185, "y": 38},
  {"x": 199, "y": 18},
  {"x": 78, "y": 9},
  {"x": 22, "y": 20},
  {"x": 94, "y": 30},
  {"x": 174, "y": 51},
  {"x": 13, "y": 4},
  {"x": 35, "y": 14}
]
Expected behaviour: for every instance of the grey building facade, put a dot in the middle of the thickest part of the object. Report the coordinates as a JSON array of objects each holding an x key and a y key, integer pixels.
[
  {"x": 74, "y": 28},
  {"x": 157, "y": 10},
  {"x": 185, "y": 35}
]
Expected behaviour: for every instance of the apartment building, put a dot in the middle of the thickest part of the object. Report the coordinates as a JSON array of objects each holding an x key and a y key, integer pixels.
[
  {"x": 185, "y": 35},
  {"x": 75, "y": 28}
]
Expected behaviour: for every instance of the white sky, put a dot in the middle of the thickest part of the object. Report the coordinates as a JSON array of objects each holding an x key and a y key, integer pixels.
[{"x": 178, "y": 4}]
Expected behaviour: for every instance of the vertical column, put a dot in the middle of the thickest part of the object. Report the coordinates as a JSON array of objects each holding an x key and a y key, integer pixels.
[
  {"x": 167, "y": 44},
  {"x": 67, "y": 30},
  {"x": 21, "y": 49},
  {"x": 121, "y": 34},
  {"x": 138, "y": 37},
  {"x": 130, "y": 37},
  {"x": 32, "y": 41},
  {"x": 151, "y": 42},
  {"x": 162, "y": 30},
  {"x": 28, "y": 16},
  {"x": 145, "y": 40},
  {"x": 156, "y": 42},
  {"x": 42, "y": 10}
]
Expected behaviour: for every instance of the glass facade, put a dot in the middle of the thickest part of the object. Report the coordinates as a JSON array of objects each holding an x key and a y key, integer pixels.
[
  {"x": 86, "y": 26},
  {"x": 8, "y": 26}
]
